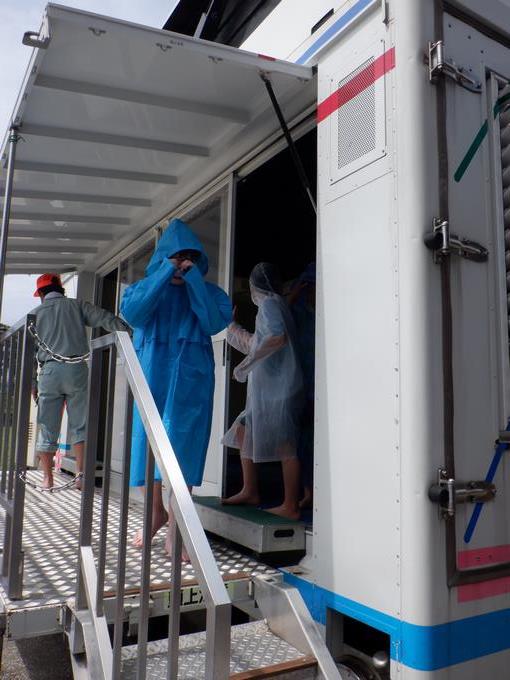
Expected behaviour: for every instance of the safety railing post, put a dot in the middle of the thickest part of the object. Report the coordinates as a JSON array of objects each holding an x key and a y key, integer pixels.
[
  {"x": 22, "y": 420},
  {"x": 89, "y": 469},
  {"x": 6, "y": 214},
  {"x": 16, "y": 356},
  {"x": 122, "y": 546},
  {"x": 9, "y": 398},
  {"x": 105, "y": 504},
  {"x": 3, "y": 373},
  {"x": 4, "y": 385},
  {"x": 143, "y": 616},
  {"x": 175, "y": 604},
  {"x": 217, "y": 654},
  {"x": 16, "y": 377}
]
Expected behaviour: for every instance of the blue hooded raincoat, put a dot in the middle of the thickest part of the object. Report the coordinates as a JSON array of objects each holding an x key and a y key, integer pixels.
[{"x": 173, "y": 327}]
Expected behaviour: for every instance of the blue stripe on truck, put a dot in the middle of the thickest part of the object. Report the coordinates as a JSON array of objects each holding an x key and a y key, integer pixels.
[
  {"x": 424, "y": 648},
  {"x": 337, "y": 27}
]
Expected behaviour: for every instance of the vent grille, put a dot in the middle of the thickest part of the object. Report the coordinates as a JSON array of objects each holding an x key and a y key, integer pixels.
[
  {"x": 504, "y": 122},
  {"x": 357, "y": 117}
]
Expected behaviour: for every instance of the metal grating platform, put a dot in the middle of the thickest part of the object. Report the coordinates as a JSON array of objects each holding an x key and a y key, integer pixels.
[
  {"x": 253, "y": 647},
  {"x": 50, "y": 552},
  {"x": 251, "y": 527}
]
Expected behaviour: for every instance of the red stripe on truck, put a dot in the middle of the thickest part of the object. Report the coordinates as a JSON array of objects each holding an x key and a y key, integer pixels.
[
  {"x": 482, "y": 557},
  {"x": 363, "y": 80}
]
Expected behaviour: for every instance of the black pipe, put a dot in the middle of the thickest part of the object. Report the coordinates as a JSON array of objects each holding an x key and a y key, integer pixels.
[{"x": 292, "y": 147}]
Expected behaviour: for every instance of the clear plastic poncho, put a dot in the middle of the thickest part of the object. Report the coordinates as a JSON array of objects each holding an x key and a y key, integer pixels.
[{"x": 268, "y": 428}]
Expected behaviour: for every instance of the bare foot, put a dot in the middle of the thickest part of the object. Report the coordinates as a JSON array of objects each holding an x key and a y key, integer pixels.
[
  {"x": 47, "y": 482},
  {"x": 306, "y": 501},
  {"x": 285, "y": 511},
  {"x": 169, "y": 545},
  {"x": 242, "y": 498},
  {"x": 158, "y": 521}
]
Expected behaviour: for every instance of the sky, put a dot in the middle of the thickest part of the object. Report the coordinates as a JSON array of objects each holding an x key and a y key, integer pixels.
[{"x": 16, "y": 17}]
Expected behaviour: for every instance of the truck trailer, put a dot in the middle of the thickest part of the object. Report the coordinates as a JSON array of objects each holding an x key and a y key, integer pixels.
[{"x": 372, "y": 138}]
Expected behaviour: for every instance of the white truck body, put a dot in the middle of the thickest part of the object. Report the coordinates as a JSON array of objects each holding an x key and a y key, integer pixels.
[{"x": 379, "y": 554}]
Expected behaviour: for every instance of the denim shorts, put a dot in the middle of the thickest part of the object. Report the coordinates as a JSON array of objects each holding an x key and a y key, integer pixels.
[{"x": 61, "y": 385}]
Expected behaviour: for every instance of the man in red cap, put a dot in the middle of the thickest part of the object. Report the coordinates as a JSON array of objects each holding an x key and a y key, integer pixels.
[{"x": 63, "y": 373}]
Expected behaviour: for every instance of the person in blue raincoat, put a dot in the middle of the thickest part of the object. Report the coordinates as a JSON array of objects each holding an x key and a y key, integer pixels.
[{"x": 174, "y": 313}]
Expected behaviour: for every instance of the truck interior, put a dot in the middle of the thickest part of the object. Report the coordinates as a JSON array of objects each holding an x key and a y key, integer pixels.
[{"x": 274, "y": 223}]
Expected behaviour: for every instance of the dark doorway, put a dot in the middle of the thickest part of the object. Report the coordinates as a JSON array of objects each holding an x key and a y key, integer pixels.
[{"x": 274, "y": 223}]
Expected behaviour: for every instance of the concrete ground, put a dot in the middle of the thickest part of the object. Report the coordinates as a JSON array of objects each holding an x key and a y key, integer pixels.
[{"x": 44, "y": 658}]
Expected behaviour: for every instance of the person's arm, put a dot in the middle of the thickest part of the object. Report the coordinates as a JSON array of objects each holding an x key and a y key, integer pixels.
[
  {"x": 239, "y": 338},
  {"x": 209, "y": 303},
  {"x": 140, "y": 300},
  {"x": 267, "y": 341},
  {"x": 268, "y": 346},
  {"x": 97, "y": 317}
]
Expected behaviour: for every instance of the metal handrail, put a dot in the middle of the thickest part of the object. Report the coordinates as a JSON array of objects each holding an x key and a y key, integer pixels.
[
  {"x": 17, "y": 351},
  {"x": 90, "y": 582}
]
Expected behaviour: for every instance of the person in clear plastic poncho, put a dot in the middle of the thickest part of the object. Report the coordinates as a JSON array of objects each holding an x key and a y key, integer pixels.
[{"x": 268, "y": 428}]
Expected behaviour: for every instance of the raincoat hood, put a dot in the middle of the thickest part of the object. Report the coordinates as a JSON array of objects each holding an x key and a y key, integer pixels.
[
  {"x": 177, "y": 236},
  {"x": 265, "y": 281}
]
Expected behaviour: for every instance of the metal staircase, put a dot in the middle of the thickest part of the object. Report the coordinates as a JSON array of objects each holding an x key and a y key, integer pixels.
[
  {"x": 284, "y": 642},
  {"x": 255, "y": 652}
]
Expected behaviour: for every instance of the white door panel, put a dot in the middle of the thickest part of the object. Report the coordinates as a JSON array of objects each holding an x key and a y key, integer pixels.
[
  {"x": 210, "y": 220},
  {"x": 479, "y": 299}
]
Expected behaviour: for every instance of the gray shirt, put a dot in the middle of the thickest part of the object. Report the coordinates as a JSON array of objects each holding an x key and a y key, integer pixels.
[{"x": 61, "y": 323}]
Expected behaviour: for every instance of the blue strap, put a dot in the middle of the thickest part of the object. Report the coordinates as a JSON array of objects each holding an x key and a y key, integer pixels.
[{"x": 498, "y": 454}]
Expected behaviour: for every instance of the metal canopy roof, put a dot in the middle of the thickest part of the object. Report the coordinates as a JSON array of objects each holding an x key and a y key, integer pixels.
[{"x": 119, "y": 123}]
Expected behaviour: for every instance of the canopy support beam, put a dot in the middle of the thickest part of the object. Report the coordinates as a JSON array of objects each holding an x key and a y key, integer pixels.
[
  {"x": 29, "y": 233},
  {"x": 44, "y": 260},
  {"x": 38, "y": 217},
  {"x": 290, "y": 142},
  {"x": 4, "y": 233},
  {"x": 139, "y": 97},
  {"x": 106, "y": 173},
  {"x": 23, "y": 245},
  {"x": 95, "y": 137},
  {"x": 78, "y": 198}
]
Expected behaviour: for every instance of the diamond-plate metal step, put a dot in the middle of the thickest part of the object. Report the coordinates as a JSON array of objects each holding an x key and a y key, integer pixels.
[
  {"x": 250, "y": 527},
  {"x": 253, "y": 648},
  {"x": 50, "y": 545}
]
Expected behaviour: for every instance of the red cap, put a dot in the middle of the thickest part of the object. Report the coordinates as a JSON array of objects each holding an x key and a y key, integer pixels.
[{"x": 47, "y": 280}]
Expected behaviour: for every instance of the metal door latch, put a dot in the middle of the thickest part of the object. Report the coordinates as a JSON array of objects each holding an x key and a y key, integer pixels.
[
  {"x": 438, "y": 66},
  {"x": 503, "y": 437},
  {"x": 448, "y": 492},
  {"x": 442, "y": 242}
]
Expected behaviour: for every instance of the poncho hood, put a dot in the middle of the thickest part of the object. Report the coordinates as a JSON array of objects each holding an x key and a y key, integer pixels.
[{"x": 177, "y": 236}]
